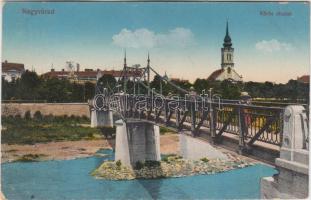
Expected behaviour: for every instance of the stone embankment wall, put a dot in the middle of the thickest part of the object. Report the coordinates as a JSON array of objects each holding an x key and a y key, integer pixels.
[{"x": 56, "y": 109}]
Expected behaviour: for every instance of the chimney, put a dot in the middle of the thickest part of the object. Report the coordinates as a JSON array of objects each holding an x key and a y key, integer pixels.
[
  {"x": 52, "y": 70},
  {"x": 63, "y": 70},
  {"x": 78, "y": 67},
  {"x": 5, "y": 61}
]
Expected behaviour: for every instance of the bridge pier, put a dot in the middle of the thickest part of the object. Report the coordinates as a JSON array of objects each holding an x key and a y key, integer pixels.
[
  {"x": 194, "y": 149},
  {"x": 293, "y": 164},
  {"x": 101, "y": 118},
  {"x": 137, "y": 141}
]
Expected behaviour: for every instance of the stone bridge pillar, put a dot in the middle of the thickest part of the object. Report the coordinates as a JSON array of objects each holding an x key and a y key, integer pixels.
[
  {"x": 101, "y": 118},
  {"x": 293, "y": 164},
  {"x": 137, "y": 141}
]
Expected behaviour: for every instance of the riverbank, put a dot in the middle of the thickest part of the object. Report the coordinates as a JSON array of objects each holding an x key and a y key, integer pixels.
[{"x": 66, "y": 150}]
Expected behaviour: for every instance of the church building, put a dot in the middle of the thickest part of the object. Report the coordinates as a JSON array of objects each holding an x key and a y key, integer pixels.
[{"x": 227, "y": 71}]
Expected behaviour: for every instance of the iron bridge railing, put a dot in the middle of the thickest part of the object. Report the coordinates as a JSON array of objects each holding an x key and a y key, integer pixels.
[{"x": 250, "y": 123}]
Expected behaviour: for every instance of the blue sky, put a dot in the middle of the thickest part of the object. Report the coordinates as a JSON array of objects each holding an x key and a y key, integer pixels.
[{"x": 184, "y": 39}]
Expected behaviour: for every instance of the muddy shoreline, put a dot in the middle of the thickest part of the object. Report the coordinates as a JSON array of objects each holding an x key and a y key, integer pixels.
[{"x": 66, "y": 150}]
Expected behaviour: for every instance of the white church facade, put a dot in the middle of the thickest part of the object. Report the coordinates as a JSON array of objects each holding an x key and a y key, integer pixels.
[{"x": 227, "y": 71}]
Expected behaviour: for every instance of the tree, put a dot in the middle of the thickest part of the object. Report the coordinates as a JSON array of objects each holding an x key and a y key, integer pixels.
[
  {"x": 230, "y": 90},
  {"x": 27, "y": 86},
  {"x": 201, "y": 84},
  {"x": 156, "y": 83},
  {"x": 107, "y": 81},
  {"x": 55, "y": 90},
  {"x": 9, "y": 89},
  {"x": 89, "y": 89}
]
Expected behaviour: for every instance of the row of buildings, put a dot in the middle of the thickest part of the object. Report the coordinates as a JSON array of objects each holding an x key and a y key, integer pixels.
[{"x": 12, "y": 71}]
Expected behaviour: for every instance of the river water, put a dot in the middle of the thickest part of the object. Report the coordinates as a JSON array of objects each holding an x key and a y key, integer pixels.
[{"x": 71, "y": 179}]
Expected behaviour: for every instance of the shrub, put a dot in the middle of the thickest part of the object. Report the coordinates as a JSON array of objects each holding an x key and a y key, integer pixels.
[
  {"x": 139, "y": 165},
  {"x": 85, "y": 118},
  {"x": 152, "y": 163},
  {"x": 49, "y": 118},
  {"x": 118, "y": 163},
  {"x": 204, "y": 159},
  {"x": 108, "y": 131},
  {"x": 166, "y": 156},
  {"x": 165, "y": 159},
  {"x": 38, "y": 115},
  {"x": 30, "y": 157},
  {"x": 27, "y": 115},
  {"x": 73, "y": 118},
  {"x": 18, "y": 116}
]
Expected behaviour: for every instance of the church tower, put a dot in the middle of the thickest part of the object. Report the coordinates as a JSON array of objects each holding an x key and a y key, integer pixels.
[{"x": 227, "y": 51}]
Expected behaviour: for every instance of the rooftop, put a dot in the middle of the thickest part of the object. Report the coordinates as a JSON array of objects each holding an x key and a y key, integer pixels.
[{"x": 6, "y": 66}]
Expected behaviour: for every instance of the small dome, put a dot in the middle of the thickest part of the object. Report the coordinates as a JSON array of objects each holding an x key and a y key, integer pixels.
[{"x": 227, "y": 41}]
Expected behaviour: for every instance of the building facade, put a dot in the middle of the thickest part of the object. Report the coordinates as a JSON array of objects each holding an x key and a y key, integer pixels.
[
  {"x": 88, "y": 75},
  {"x": 12, "y": 71},
  {"x": 227, "y": 71}
]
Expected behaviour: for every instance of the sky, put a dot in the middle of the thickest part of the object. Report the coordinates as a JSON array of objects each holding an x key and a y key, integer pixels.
[{"x": 184, "y": 39}]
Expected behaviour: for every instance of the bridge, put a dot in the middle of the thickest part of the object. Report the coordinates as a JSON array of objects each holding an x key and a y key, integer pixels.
[{"x": 138, "y": 110}]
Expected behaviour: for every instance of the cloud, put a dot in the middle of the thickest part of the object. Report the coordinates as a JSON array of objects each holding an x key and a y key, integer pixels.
[
  {"x": 273, "y": 45},
  {"x": 145, "y": 38}
]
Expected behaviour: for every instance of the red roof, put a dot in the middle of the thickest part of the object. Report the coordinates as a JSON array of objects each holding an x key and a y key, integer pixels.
[
  {"x": 215, "y": 74},
  {"x": 304, "y": 79},
  {"x": 12, "y": 66}
]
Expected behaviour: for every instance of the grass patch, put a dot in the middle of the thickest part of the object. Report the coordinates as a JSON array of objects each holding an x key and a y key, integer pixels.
[
  {"x": 170, "y": 157},
  {"x": 164, "y": 130},
  {"x": 204, "y": 159},
  {"x": 49, "y": 129},
  {"x": 11, "y": 151}
]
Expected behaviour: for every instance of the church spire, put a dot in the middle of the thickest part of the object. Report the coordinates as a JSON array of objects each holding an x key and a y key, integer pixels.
[
  {"x": 227, "y": 30},
  {"x": 227, "y": 39}
]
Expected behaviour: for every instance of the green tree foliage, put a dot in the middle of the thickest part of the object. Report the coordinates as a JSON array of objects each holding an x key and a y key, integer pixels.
[
  {"x": 293, "y": 90},
  {"x": 31, "y": 87},
  {"x": 9, "y": 89},
  {"x": 38, "y": 116},
  {"x": 201, "y": 84},
  {"x": 156, "y": 83},
  {"x": 230, "y": 90},
  {"x": 27, "y": 115},
  {"x": 107, "y": 81},
  {"x": 89, "y": 90},
  {"x": 27, "y": 86}
]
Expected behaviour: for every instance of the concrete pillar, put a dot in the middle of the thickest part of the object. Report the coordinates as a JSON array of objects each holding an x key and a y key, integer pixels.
[
  {"x": 194, "y": 149},
  {"x": 137, "y": 141},
  {"x": 101, "y": 118},
  {"x": 293, "y": 164}
]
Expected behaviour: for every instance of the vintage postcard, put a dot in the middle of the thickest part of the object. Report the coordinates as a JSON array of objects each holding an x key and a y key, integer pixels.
[{"x": 155, "y": 100}]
